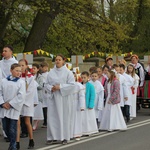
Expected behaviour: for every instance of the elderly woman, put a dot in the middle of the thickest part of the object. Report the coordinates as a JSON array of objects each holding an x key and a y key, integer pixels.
[{"x": 60, "y": 86}]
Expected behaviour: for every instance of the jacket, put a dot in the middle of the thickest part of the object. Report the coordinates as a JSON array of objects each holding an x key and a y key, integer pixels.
[
  {"x": 114, "y": 91},
  {"x": 90, "y": 95}
]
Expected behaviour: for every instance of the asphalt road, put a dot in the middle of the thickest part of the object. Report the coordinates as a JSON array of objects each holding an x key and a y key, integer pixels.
[{"x": 137, "y": 137}]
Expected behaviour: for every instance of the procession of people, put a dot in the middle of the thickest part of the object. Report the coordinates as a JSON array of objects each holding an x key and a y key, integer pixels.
[{"x": 104, "y": 99}]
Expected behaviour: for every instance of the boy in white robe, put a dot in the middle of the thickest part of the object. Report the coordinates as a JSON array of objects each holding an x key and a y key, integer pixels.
[
  {"x": 11, "y": 104},
  {"x": 129, "y": 82},
  {"x": 99, "y": 99},
  {"x": 123, "y": 87}
]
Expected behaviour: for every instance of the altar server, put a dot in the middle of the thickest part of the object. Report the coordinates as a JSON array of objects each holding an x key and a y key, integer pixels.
[
  {"x": 44, "y": 71},
  {"x": 28, "y": 107},
  {"x": 129, "y": 82},
  {"x": 38, "y": 111},
  {"x": 99, "y": 99},
  {"x": 11, "y": 103},
  {"x": 60, "y": 86}
]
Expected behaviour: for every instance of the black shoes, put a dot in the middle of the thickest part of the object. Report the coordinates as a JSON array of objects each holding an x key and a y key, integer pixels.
[
  {"x": 6, "y": 139},
  {"x": 49, "y": 142},
  {"x": 23, "y": 135},
  {"x": 31, "y": 144},
  {"x": 64, "y": 142},
  {"x": 128, "y": 119},
  {"x": 17, "y": 145}
]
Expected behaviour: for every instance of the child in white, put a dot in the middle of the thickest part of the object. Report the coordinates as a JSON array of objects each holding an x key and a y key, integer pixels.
[
  {"x": 11, "y": 103},
  {"x": 44, "y": 71},
  {"x": 99, "y": 99},
  {"x": 28, "y": 107},
  {"x": 131, "y": 72},
  {"x": 38, "y": 112},
  {"x": 79, "y": 106},
  {"x": 89, "y": 125},
  {"x": 112, "y": 118},
  {"x": 123, "y": 87},
  {"x": 129, "y": 82}
]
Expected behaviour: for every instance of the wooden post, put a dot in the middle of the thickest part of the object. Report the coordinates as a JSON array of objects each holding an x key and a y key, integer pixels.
[
  {"x": 117, "y": 59},
  {"x": 24, "y": 55},
  {"x": 76, "y": 60},
  {"x": 148, "y": 57}
]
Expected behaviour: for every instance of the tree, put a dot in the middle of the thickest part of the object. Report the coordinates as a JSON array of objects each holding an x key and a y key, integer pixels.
[
  {"x": 6, "y": 12},
  {"x": 80, "y": 30},
  {"x": 77, "y": 27}
]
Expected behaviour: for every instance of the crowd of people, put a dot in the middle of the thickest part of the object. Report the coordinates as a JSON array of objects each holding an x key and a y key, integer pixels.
[{"x": 104, "y": 99}]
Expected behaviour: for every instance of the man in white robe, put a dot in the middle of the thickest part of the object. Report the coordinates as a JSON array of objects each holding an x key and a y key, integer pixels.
[{"x": 6, "y": 63}]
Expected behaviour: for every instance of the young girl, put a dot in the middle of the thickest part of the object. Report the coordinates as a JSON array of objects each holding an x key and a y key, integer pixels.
[
  {"x": 28, "y": 106},
  {"x": 99, "y": 99},
  {"x": 112, "y": 118},
  {"x": 38, "y": 113},
  {"x": 44, "y": 71},
  {"x": 12, "y": 103},
  {"x": 89, "y": 125},
  {"x": 79, "y": 106},
  {"x": 131, "y": 72}
]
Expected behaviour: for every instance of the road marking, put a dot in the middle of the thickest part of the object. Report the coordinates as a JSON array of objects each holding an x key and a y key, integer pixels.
[
  {"x": 138, "y": 123},
  {"x": 93, "y": 137}
]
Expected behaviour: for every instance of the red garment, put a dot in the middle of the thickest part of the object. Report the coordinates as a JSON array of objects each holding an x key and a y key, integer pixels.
[
  {"x": 23, "y": 75},
  {"x": 132, "y": 89}
]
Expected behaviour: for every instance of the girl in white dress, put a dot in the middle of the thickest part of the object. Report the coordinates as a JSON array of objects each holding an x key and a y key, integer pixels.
[
  {"x": 44, "y": 69},
  {"x": 112, "y": 118},
  {"x": 79, "y": 106},
  {"x": 89, "y": 125},
  {"x": 38, "y": 112},
  {"x": 28, "y": 106},
  {"x": 131, "y": 72}
]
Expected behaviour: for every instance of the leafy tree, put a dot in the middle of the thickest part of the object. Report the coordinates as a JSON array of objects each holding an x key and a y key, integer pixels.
[{"x": 75, "y": 27}]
